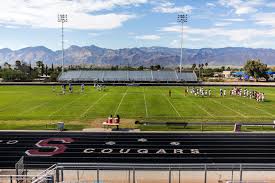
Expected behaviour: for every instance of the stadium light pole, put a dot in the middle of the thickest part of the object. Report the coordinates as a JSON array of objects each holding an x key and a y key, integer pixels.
[
  {"x": 182, "y": 18},
  {"x": 62, "y": 18}
]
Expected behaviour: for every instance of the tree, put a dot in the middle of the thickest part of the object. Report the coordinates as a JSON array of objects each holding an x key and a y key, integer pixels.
[
  {"x": 158, "y": 67},
  {"x": 39, "y": 64},
  {"x": 141, "y": 68},
  {"x": 17, "y": 64},
  {"x": 54, "y": 76},
  {"x": 42, "y": 69},
  {"x": 7, "y": 65},
  {"x": 256, "y": 69},
  {"x": 46, "y": 70},
  {"x": 206, "y": 64},
  {"x": 194, "y": 66}
]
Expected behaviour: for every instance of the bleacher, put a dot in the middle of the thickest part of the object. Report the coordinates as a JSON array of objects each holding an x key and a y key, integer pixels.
[{"x": 127, "y": 76}]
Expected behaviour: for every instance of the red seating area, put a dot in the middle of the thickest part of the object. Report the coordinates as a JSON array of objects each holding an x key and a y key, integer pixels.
[{"x": 111, "y": 122}]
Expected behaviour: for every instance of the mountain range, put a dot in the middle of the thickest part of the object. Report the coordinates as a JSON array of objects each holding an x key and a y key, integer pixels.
[{"x": 146, "y": 56}]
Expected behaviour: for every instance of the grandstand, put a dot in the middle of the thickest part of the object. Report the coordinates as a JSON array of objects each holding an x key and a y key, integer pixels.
[{"x": 128, "y": 76}]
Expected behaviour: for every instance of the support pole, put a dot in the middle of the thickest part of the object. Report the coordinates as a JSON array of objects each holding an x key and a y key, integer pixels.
[
  {"x": 169, "y": 174},
  {"x": 77, "y": 173},
  {"x": 182, "y": 18},
  {"x": 134, "y": 175},
  {"x": 241, "y": 172},
  {"x": 179, "y": 176},
  {"x": 62, "y": 175},
  {"x": 205, "y": 173},
  {"x": 97, "y": 175},
  {"x": 129, "y": 176},
  {"x": 57, "y": 175},
  {"x": 232, "y": 174}
]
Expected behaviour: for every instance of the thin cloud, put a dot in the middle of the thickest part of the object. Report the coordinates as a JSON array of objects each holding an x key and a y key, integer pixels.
[
  {"x": 242, "y": 7},
  {"x": 234, "y": 35},
  {"x": 234, "y": 19},
  {"x": 148, "y": 37},
  {"x": 168, "y": 7},
  {"x": 211, "y": 5},
  {"x": 265, "y": 19},
  {"x": 43, "y": 14},
  {"x": 222, "y": 24}
]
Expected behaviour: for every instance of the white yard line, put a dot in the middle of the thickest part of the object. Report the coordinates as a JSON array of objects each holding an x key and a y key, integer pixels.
[
  {"x": 121, "y": 101},
  {"x": 33, "y": 108},
  {"x": 202, "y": 108},
  {"x": 229, "y": 108},
  {"x": 172, "y": 105},
  {"x": 64, "y": 106},
  {"x": 268, "y": 113},
  {"x": 92, "y": 105},
  {"x": 145, "y": 103}
]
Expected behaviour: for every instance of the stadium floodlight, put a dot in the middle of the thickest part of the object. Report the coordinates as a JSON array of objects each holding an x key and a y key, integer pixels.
[
  {"x": 182, "y": 18},
  {"x": 62, "y": 18}
]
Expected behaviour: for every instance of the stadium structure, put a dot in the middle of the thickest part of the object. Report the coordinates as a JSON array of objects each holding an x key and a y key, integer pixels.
[{"x": 127, "y": 76}]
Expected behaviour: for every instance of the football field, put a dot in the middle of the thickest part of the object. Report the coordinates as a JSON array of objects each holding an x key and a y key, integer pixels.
[{"x": 33, "y": 107}]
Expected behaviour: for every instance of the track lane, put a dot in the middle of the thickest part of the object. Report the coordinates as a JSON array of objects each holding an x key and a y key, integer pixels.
[{"x": 123, "y": 147}]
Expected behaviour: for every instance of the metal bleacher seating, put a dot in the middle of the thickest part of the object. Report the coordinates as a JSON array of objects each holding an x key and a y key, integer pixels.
[
  {"x": 165, "y": 76},
  {"x": 140, "y": 76},
  {"x": 128, "y": 76},
  {"x": 115, "y": 76}
]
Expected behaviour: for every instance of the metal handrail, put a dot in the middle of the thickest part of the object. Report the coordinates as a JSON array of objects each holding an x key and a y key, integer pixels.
[{"x": 44, "y": 174}]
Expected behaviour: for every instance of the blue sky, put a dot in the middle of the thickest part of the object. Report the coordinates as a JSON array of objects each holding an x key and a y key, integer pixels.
[{"x": 137, "y": 23}]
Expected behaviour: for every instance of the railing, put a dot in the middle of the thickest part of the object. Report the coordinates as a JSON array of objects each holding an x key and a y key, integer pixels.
[
  {"x": 56, "y": 172},
  {"x": 45, "y": 175},
  {"x": 16, "y": 178},
  {"x": 170, "y": 169}
]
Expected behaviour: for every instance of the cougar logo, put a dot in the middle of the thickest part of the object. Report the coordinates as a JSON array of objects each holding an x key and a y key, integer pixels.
[{"x": 57, "y": 148}]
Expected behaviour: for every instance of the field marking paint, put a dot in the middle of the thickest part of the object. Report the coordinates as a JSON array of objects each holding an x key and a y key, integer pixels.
[
  {"x": 121, "y": 101},
  {"x": 268, "y": 113},
  {"x": 33, "y": 108},
  {"x": 171, "y": 104},
  {"x": 65, "y": 105},
  {"x": 202, "y": 108},
  {"x": 230, "y": 108},
  {"x": 92, "y": 105},
  {"x": 173, "y": 107},
  {"x": 145, "y": 103}
]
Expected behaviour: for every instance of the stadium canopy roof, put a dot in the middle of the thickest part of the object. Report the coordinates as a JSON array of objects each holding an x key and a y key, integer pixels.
[
  {"x": 241, "y": 73},
  {"x": 128, "y": 76}
]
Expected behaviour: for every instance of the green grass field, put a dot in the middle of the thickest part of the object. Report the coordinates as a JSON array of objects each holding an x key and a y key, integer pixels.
[{"x": 32, "y": 107}]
